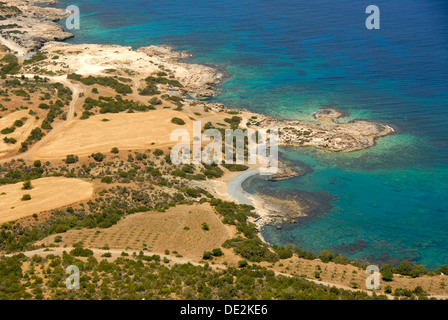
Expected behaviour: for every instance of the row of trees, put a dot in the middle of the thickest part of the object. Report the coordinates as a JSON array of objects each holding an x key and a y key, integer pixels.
[
  {"x": 112, "y": 105},
  {"x": 111, "y": 82}
]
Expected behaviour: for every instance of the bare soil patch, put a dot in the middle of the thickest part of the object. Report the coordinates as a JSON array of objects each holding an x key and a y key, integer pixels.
[
  {"x": 20, "y": 133},
  {"x": 46, "y": 194},
  {"x": 178, "y": 229},
  {"x": 100, "y": 133}
]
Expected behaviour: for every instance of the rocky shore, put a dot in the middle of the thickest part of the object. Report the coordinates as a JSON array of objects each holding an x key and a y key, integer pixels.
[
  {"x": 197, "y": 80},
  {"x": 24, "y": 28},
  {"x": 327, "y": 133},
  {"x": 284, "y": 172}
]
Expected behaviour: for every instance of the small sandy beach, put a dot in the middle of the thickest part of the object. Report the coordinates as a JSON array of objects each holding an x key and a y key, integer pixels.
[{"x": 266, "y": 212}]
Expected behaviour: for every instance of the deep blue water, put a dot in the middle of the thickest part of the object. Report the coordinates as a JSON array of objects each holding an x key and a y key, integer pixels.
[{"x": 288, "y": 58}]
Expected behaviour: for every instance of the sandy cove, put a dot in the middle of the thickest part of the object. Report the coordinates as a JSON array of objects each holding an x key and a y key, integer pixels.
[{"x": 229, "y": 188}]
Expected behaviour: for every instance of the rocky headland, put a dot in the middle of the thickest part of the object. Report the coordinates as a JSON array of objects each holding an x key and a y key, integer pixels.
[{"x": 24, "y": 27}]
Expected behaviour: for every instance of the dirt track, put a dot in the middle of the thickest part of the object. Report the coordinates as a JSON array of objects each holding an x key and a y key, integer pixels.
[
  {"x": 48, "y": 136},
  {"x": 20, "y": 133}
]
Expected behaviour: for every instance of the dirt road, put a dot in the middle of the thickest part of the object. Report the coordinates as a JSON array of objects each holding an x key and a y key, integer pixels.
[{"x": 70, "y": 115}]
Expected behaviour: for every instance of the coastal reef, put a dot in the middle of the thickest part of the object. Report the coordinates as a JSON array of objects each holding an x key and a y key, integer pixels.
[{"x": 327, "y": 133}]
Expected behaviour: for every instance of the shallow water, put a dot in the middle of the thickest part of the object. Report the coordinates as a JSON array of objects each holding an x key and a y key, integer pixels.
[{"x": 287, "y": 59}]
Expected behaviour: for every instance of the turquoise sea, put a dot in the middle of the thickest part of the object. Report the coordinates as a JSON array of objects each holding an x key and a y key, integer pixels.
[{"x": 287, "y": 59}]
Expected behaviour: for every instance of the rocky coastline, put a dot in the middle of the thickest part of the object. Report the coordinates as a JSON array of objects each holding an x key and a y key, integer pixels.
[
  {"x": 25, "y": 27},
  {"x": 37, "y": 30}
]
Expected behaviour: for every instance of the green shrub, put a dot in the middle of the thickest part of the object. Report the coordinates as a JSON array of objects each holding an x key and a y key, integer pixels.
[
  {"x": 106, "y": 179},
  {"x": 283, "y": 252},
  {"x": 213, "y": 171},
  {"x": 12, "y": 66},
  {"x": 235, "y": 167},
  {"x": 102, "y": 81},
  {"x": 9, "y": 140},
  {"x": 205, "y": 226},
  {"x": 408, "y": 268},
  {"x": 242, "y": 264},
  {"x": 8, "y": 130},
  {"x": 158, "y": 152},
  {"x": 387, "y": 272},
  {"x": 37, "y": 57},
  {"x": 27, "y": 185},
  {"x": 81, "y": 252},
  {"x": 326, "y": 256},
  {"x": 70, "y": 158},
  {"x": 18, "y": 123},
  {"x": 155, "y": 101},
  {"x": 192, "y": 192},
  {"x": 234, "y": 121},
  {"x": 217, "y": 252},
  {"x": 207, "y": 255},
  {"x": 254, "y": 251},
  {"x": 98, "y": 157},
  {"x": 178, "y": 121}
]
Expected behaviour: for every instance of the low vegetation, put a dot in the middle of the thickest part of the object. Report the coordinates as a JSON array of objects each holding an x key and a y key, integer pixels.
[
  {"x": 111, "y": 82},
  {"x": 142, "y": 276}
]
